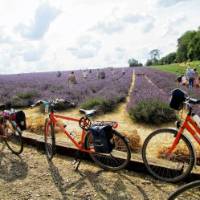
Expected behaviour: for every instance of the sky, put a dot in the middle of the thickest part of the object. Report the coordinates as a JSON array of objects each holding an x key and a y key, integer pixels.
[{"x": 49, "y": 35}]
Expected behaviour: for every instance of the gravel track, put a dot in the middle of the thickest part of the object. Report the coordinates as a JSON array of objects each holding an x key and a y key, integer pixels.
[{"x": 32, "y": 177}]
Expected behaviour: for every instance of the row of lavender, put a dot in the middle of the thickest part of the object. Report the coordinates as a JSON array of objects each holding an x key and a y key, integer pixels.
[
  {"x": 145, "y": 88},
  {"x": 48, "y": 86},
  {"x": 154, "y": 84}
]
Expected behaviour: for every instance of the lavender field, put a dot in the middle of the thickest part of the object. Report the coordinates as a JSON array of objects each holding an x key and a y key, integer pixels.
[
  {"x": 22, "y": 89},
  {"x": 155, "y": 84}
]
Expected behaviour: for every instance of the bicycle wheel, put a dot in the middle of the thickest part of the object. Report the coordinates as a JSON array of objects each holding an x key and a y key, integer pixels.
[
  {"x": 13, "y": 138},
  {"x": 49, "y": 139},
  {"x": 169, "y": 168},
  {"x": 117, "y": 159},
  {"x": 188, "y": 191}
]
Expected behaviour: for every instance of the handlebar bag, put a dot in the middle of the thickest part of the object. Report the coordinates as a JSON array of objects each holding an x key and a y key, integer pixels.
[
  {"x": 20, "y": 119},
  {"x": 177, "y": 99},
  {"x": 102, "y": 138}
]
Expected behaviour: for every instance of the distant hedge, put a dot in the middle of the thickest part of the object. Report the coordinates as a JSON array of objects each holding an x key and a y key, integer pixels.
[{"x": 152, "y": 112}]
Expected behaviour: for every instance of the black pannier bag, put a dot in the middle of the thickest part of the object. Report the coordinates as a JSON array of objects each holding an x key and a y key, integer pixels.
[
  {"x": 102, "y": 138},
  {"x": 20, "y": 119},
  {"x": 177, "y": 99}
]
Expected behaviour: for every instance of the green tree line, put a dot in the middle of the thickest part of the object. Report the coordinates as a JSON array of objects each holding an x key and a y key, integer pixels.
[{"x": 188, "y": 49}]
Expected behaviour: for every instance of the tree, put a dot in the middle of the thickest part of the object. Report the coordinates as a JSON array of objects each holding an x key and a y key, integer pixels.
[
  {"x": 168, "y": 59},
  {"x": 194, "y": 47},
  {"x": 183, "y": 46},
  {"x": 155, "y": 54},
  {"x": 134, "y": 63}
]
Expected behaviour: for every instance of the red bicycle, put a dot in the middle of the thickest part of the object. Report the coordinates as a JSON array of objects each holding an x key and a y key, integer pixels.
[
  {"x": 11, "y": 128},
  {"x": 114, "y": 159},
  {"x": 168, "y": 153}
]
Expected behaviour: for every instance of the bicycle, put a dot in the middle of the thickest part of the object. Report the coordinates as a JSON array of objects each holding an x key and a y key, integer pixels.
[
  {"x": 10, "y": 131},
  {"x": 117, "y": 159},
  {"x": 188, "y": 191},
  {"x": 167, "y": 153}
]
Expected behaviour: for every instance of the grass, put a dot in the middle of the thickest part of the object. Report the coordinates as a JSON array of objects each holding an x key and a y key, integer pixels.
[{"x": 178, "y": 68}]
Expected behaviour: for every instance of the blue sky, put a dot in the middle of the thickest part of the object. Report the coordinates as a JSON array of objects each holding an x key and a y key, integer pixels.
[{"x": 49, "y": 35}]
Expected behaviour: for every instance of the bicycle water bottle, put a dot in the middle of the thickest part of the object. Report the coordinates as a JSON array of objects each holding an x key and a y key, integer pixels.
[{"x": 196, "y": 118}]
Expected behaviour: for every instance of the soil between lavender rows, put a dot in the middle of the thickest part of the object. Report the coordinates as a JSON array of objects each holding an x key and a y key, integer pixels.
[{"x": 32, "y": 177}]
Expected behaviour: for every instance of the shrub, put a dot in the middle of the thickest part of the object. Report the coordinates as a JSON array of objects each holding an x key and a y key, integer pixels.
[
  {"x": 101, "y": 105},
  {"x": 91, "y": 103},
  {"x": 28, "y": 95},
  {"x": 152, "y": 112},
  {"x": 19, "y": 102}
]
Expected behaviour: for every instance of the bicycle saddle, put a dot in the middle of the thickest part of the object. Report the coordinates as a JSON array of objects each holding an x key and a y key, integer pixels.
[{"x": 88, "y": 112}]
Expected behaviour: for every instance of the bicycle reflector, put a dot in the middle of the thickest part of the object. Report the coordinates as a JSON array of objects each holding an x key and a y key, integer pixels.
[{"x": 177, "y": 99}]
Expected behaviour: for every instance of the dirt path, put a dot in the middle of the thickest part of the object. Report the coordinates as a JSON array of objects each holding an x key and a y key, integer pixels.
[{"x": 32, "y": 177}]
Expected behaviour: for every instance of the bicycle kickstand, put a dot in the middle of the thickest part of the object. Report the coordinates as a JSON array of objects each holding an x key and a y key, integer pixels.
[{"x": 77, "y": 161}]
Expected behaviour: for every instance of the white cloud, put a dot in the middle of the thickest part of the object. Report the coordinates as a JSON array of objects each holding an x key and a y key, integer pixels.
[
  {"x": 168, "y": 3},
  {"x": 148, "y": 26},
  {"x": 87, "y": 47},
  {"x": 65, "y": 35},
  {"x": 109, "y": 27},
  {"x": 37, "y": 28},
  {"x": 133, "y": 18},
  {"x": 120, "y": 52},
  {"x": 5, "y": 38},
  {"x": 33, "y": 54},
  {"x": 112, "y": 24},
  {"x": 172, "y": 28}
]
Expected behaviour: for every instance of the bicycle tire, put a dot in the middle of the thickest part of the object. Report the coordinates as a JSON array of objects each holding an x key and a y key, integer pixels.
[
  {"x": 14, "y": 141},
  {"x": 183, "y": 191},
  {"x": 161, "y": 172},
  {"x": 108, "y": 161},
  {"x": 49, "y": 139}
]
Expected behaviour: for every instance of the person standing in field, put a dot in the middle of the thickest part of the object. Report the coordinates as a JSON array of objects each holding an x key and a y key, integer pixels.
[
  {"x": 190, "y": 74},
  {"x": 85, "y": 74},
  {"x": 71, "y": 78},
  {"x": 196, "y": 78}
]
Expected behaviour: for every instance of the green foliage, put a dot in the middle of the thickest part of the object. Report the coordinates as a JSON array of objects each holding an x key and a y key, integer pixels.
[
  {"x": 188, "y": 50},
  {"x": 155, "y": 54},
  {"x": 28, "y": 95},
  {"x": 91, "y": 103},
  {"x": 102, "y": 105},
  {"x": 194, "y": 47},
  {"x": 152, "y": 112},
  {"x": 178, "y": 68},
  {"x": 134, "y": 63},
  {"x": 149, "y": 62},
  {"x": 183, "y": 46},
  {"x": 168, "y": 59},
  {"x": 20, "y": 102}
]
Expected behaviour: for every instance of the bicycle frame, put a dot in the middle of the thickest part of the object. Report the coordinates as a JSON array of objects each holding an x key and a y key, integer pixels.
[
  {"x": 54, "y": 119},
  {"x": 191, "y": 127}
]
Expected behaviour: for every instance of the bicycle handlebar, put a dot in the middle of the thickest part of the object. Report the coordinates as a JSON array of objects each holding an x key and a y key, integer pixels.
[
  {"x": 190, "y": 101},
  {"x": 193, "y": 100}
]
